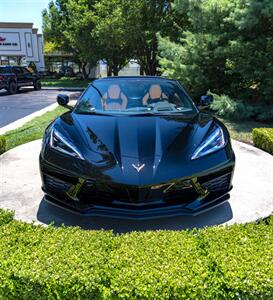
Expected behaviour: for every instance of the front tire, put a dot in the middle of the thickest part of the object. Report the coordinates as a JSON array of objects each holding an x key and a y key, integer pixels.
[
  {"x": 12, "y": 88},
  {"x": 37, "y": 85}
]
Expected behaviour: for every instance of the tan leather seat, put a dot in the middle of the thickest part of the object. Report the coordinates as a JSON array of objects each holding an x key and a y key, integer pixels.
[
  {"x": 155, "y": 92},
  {"x": 114, "y": 99}
]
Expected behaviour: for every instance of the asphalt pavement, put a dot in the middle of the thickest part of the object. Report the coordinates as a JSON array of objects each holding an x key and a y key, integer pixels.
[{"x": 26, "y": 102}]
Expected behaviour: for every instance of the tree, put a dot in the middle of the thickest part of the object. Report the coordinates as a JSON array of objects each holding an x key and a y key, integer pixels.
[
  {"x": 200, "y": 58},
  {"x": 251, "y": 52},
  {"x": 144, "y": 20},
  {"x": 112, "y": 30},
  {"x": 227, "y": 47},
  {"x": 111, "y": 35},
  {"x": 69, "y": 23}
]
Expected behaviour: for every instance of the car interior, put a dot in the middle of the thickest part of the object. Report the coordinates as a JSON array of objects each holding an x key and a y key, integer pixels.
[
  {"x": 135, "y": 97},
  {"x": 115, "y": 99}
]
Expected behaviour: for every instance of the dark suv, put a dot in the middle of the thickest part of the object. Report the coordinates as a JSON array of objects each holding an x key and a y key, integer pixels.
[{"x": 12, "y": 78}]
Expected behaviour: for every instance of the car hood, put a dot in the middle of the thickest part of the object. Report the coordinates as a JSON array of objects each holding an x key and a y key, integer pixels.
[{"x": 129, "y": 142}]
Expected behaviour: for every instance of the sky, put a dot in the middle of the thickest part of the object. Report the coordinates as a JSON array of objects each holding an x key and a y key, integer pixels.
[{"x": 29, "y": 11}]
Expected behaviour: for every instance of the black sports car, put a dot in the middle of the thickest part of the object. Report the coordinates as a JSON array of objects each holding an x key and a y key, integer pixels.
[{"x": 136, "y": 147}]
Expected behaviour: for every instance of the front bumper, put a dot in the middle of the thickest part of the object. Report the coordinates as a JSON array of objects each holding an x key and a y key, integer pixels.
[
  {"x": 141, "y": 214},
  {"x": 186, "y": 196}
]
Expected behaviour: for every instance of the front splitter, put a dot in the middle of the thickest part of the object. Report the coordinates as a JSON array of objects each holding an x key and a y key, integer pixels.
[{"x": 141, "y": 214}]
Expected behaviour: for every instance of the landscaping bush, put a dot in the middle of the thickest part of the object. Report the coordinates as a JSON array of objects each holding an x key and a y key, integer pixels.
[
  {"x": 2, "y": 144},
  {"x": 263, "y": 139},
  {"x": 38, "y": 262},
  {"x": 5, "y": 216},
  {"x": 240, "y": 110}
]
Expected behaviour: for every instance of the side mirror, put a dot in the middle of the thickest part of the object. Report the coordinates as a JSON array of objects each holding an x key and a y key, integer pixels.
[
  {"x": 63, "y": 100},
  {"x": 205, "y": 100}
]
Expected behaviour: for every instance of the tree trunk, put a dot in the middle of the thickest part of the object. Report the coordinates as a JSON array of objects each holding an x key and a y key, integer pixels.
[
  {"x": 84, "y": 73},
  {"x": 80, "y": 67},
  {"x": 115, "y": 70},
  {"x": 109, "y": 69},
  {"x": 89, "y": 70},
  {"x": 151, "y": 68}
]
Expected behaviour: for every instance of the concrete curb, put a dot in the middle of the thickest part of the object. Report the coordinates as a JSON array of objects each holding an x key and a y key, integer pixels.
[{"x": 69, "y": 89}]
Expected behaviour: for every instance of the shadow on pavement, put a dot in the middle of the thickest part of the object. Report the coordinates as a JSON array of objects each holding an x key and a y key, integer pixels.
[{"x": 48, "y": 213}]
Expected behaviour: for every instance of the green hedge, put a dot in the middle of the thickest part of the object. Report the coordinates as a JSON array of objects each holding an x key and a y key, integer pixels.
[
  {"x": 2, "y": 144},
  {"x": 38, "y": 262},
  {"x": 237, "y": 109},
  {"x": 263, "y": 138}
]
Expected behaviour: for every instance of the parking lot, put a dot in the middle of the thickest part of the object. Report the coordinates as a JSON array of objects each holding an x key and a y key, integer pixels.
[{"x": 27, "y": 101}]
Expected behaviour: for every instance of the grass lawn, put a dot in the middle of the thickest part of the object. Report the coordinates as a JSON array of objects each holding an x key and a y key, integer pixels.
[
  {"x": 32, "y": 130},
  {"x": 241, "y": 130},
  {"x": 65, "y": 82}
]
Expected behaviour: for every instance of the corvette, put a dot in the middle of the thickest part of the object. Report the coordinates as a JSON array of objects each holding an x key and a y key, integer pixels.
[{"x": 136, "y": 148}]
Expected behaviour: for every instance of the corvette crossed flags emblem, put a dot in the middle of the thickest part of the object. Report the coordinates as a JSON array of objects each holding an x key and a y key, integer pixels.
[{"x": 138, "y": 167}]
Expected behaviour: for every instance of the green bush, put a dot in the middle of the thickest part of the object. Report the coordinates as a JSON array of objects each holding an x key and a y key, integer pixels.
[
  {"x": 240, "y": 110},
  {"x": 5, "y": 216},
  {"x": 263, "y": 139},
  {"x": 2, "y": 144},
  {"x": 231, "y": 262}
]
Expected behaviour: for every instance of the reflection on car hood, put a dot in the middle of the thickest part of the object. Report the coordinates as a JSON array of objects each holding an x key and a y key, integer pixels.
[
  {"x": 138, "y": 136},
  {"x": 118, "y": 143}
]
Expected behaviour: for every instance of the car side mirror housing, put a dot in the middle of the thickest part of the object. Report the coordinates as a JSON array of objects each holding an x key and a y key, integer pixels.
[
  {"x": 63, "y": 100},
  {"x": 205, "y": 101}
]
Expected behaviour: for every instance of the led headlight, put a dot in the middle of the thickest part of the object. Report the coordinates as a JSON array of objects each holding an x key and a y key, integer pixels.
[
  {"x": 62, "y": 144},
  {"x": 212, "y": 143}
]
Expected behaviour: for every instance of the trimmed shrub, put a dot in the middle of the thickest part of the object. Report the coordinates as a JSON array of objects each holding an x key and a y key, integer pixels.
[
  {"x": 6, "y": 216},
  {"x": 2, "y": 144},
  {"x": 228, "y": 262},
  {"x": 263, "y": 139},
  {"x": 240, "y": 110}
]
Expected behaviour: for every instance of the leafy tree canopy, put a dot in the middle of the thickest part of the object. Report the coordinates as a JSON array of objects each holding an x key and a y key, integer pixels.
[{"x": 113, "y": 30}]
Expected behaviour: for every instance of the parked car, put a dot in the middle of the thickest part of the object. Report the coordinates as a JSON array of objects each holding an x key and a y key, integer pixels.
[
  {"x": 12, "y": 78},
  {"x": 66, "y": 71},
  {"x": 137, "y": 148}
]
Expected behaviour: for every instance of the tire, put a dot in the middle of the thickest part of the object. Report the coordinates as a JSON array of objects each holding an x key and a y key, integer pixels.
[
  {"x": 12, "y": 88},
  {"x": 37, "y": 85}
]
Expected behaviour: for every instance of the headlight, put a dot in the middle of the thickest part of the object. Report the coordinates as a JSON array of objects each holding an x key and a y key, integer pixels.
[
  {"x": 212, "y": 143},
  {"x": 62, "y": 144}
]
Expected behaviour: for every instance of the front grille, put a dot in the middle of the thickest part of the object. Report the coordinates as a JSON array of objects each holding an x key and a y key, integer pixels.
[
  {"x": 109, "y": 193},
  {"x": 86, "y": 193},
  {"x": 219, "y": 183},
  {"x": 180, "y": 192},
  {"x": 92, "y": 193},
  {"x": 56, "y": 185}
]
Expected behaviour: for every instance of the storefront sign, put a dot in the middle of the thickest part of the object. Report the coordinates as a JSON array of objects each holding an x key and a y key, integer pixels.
[{"x": 10, "y": 41}]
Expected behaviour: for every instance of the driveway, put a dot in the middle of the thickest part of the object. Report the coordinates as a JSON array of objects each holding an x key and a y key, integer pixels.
[
  {"x": 27, "y": 101},
  {"x": 250, "y": 199}
]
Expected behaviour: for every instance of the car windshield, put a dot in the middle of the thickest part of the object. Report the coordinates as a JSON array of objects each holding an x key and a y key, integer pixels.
[{"x": 134, "y": 96}]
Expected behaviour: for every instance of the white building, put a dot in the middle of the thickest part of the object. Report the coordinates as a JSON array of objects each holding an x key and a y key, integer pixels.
[{"x": 21, "y": 44}]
